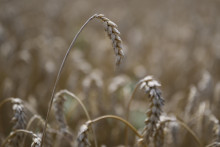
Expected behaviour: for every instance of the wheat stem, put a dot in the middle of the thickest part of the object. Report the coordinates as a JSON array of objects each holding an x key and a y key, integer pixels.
[
  {"x": 58, "y": 77},
  {"x": 78, "y": 100},
  {"x": 83, "y": 107},
  {"x": 190, "y": 131},
  {"x": 128, "y": 111},
  {"x": 12, "y": 134},
  {"x": 117, "y": 118},
  {"x": 5, "y": 101}
]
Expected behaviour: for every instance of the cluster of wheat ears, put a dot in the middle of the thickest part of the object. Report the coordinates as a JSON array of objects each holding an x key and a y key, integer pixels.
[{"x": 155, "y": 123}]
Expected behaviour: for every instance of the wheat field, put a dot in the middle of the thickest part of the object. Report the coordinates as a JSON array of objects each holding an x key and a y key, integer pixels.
[{"x": 109, "y": 73}]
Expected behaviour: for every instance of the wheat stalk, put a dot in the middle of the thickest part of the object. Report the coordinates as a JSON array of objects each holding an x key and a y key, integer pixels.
[
  {"x": 48, "y": 135},
  {"x": 118, "y": 51},
  {"x": 116, "y": 118},
  {"x": 60, "y": 116},
  {"x": 36, "y": 139}
]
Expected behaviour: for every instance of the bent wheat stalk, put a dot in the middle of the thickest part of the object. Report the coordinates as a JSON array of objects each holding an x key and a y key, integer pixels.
[
  {"x": 117, "y": 118},
  {"x": 30, "y": 122},
  {"x": 112, "y": 30},
  {"x": 190, "y": 131},
  {"x": 6, "y": 100},
  {"x": 60, "y": 117},
  {"x": 14, "y": 133}
]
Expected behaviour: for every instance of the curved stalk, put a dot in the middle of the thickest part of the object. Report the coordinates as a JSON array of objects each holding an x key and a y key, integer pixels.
[
  {"x": 5, "y": 101},
  {"x": 127, "y": 113},
  {"x": 12, "y": 134},
  {"x": 30, "y": 122},
  {"x": 190, "y": 131},
  {"x": 58, "y": 77},
  {"x": 79, "y": 101},
  {"x": 117, "y": 118},
  {"x": 84, "y": 109}
]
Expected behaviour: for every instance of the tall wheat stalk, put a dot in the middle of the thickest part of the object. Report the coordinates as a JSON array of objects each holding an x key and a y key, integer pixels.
[{"x": 113, "y": 33}]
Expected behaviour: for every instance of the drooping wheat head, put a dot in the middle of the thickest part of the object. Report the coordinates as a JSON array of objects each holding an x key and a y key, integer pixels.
[{"x": 113, "y": 33}]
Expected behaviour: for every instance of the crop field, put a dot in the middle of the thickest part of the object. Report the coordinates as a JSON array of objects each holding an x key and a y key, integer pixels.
[{"x": 109, "y": 73}]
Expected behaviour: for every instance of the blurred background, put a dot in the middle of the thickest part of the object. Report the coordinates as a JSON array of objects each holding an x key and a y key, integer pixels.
[{"x": 176, "y": 41}]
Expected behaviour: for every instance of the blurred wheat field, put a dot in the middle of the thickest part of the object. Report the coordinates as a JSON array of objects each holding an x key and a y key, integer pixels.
[{"x": 178, "y": 42}]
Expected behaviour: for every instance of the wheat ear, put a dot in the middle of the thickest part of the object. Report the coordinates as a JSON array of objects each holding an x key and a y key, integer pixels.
[
  {"x": 150, "y": 86},
  {"x": 113, "y": 33},
  {"x": 117, "y": 46}
]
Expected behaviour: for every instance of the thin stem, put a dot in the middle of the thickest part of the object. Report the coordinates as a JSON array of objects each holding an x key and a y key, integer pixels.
[
  {"x": 131, "y": 98},
  {"x": 79, "y": 101},
  {"x": 58, "y": 77},
  {"x": 84, "y": 109},
  {"x": 190, "y": 131},
  {"x": 32, "y": 119},
  {"x": 12, "y": 134},
  {"x": 117, "y": 118},
  {"x": 5, "y": 101},
  {"x": 30, "y": 122},
  {"x": 128, "y": 112}
]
